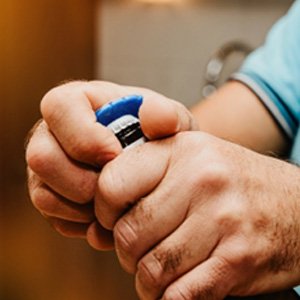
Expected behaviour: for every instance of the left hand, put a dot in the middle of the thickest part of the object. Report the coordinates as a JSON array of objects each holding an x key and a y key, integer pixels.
[
  {"x": 196, "y": 217},
  {"x": 66, "y": 150}
]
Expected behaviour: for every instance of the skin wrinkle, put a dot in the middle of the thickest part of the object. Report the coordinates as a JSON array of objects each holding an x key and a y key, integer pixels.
[
  {"x": 132, "y": 211},
  {"x": 178, "y": 292}
]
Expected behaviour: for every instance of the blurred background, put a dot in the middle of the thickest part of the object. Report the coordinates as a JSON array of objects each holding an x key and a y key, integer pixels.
[{"x": 181, "y": 48}]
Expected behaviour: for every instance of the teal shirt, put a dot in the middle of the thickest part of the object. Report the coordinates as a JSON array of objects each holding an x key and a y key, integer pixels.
[{"x": 272, "y": 72}]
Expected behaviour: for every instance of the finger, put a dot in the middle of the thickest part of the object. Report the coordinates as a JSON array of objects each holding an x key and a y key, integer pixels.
[
  {"x": 124, "y": 181},
  {"x": 53, "y": 205},
  {"x": 181, "y": 251},
  {"x": 99, "y": 237},
  {"x": 90, "y": 142},
  {"x": 67, "y": 228},
  {"x": 149, "y": 221},
  {"x": 68, "y": 178},
  {"x": 211, "y": 280},
  {"x": 144, "y": 226},
  {"x": 69, "y": 110},
  {"x": 161, "y": 117}
]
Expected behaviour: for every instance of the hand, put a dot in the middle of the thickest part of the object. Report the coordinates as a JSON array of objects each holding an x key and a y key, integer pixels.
[
  {"x": 68, "y": 148},
  {"x": 196, "y": 217}
]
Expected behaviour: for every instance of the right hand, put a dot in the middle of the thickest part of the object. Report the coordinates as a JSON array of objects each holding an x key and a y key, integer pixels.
[{"x": 68, "y": 147}]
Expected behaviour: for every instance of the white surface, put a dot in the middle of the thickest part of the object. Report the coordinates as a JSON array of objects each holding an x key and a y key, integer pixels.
[{"x": 166, "y": 48}]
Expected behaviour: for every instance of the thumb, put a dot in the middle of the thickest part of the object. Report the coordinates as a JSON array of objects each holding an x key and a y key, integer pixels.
[{"x": 162, "y": 117}]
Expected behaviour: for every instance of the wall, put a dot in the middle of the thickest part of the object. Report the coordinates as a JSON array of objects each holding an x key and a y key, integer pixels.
[
  {"x": 43, "y": 43},
  {"x": 166, "y": 47}
]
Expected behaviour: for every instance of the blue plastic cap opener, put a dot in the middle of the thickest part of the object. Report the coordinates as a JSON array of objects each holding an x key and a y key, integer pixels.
[{"x": 121, "y": 116}]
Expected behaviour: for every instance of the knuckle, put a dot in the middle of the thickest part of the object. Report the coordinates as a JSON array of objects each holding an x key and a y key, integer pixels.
[
  {"x": 227, "y": 221},
  {"x": 56, "y": 96},
  {"x": 38, "y": 160},
  {"x": 50, "y": 101},
  {"x": 242, "y": 255},
  {"x": 150, "y": 273},
  {"x": 125, "y": 236},
  {"x": 126, "y": 246},
  {"x": 212, "y": 176},
  {"x": 229, "y": 218},
  {"x": 43, "y": 201},
  {"x": 175, "y": 293}
]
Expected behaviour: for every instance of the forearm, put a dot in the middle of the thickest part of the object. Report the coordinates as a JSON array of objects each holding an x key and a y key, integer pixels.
[{"x": 236, "y": 114}]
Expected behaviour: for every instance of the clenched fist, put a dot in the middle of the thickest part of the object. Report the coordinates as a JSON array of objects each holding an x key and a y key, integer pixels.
[{"x": 68, "y": 148}]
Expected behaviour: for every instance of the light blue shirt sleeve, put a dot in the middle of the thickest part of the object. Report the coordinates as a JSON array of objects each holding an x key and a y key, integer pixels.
[{"x": 273, "y": 71}]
